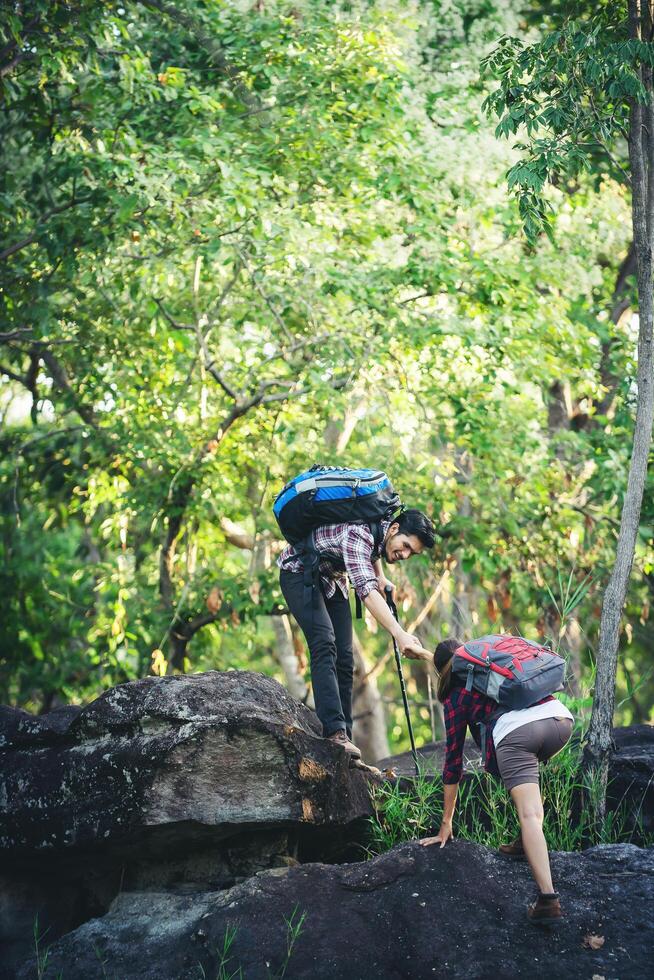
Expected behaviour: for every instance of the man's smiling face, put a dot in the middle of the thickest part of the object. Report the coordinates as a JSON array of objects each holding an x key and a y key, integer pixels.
[{"x": 399, "y": 547}]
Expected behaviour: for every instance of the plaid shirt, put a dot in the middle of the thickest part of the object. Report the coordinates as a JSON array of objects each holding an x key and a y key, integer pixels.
[
  {"x": 463, "y": 709},
  {"x": 353, "y": 545}
]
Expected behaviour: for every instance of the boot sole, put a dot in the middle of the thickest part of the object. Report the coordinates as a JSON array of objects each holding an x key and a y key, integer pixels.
[{"x": 349, "y": 753}]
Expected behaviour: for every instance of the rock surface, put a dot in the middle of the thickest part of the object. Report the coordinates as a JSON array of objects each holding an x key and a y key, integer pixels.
[
  {"x": 217, "y": 750},
  {"x": 431, "y": 757},
  {"x": 198, "y": 779},
  {"x": 142, "y": 828},
  {"x": 632, "y": 774},
  {"x": 415, "y": 912}
]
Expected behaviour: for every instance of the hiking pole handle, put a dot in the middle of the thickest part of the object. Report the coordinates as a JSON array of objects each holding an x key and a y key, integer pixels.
[
  {"x": 388, "y": 589},
  {"x": 398, "y": 662}
]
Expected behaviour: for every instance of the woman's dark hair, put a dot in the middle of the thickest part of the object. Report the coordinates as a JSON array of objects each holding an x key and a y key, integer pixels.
[
  {"x": 415, "y": 522},
  {"x": 443, "y": 663}
]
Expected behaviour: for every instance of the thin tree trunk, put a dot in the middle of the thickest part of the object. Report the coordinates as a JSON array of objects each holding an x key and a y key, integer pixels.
[
  {"x": 284, "y": 650},
  {"x": 338, "y": 432},
  {"x": 641, "y": 156},
  {"x": 369, "y": 727},
  {"x": 369, "y": 716},
  {"x": 620, "y": 308},
  {"x": 572, "y": 640},
  {"x": 285, "y": 655},
  {"x": 460, "y": 618}
]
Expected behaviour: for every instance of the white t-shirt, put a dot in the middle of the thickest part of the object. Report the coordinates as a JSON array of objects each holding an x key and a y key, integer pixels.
[{"x": 515, "y": 719}]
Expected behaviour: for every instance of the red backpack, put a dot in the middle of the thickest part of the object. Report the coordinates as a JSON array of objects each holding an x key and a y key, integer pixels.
[{"x": 509, "y": 669}]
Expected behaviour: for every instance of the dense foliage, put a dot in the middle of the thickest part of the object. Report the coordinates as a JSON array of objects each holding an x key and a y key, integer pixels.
[{"x": 243, "y": 237}]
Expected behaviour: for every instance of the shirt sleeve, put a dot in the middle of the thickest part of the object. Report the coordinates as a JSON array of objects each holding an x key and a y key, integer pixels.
[
  {"x": 456, "y": 723},
  {"x": 357, "y": 555}
]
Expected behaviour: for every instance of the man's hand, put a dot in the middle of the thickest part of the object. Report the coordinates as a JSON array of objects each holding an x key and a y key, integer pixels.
[
  {"x": 383, "y": 583},
  {"x": 444, "y": 834},
  {"x": 407, "y": 644},
  {"x": 410, "y": 647}
]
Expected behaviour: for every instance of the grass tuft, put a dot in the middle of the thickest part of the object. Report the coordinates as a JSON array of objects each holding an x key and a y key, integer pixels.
[{"x": 485, "y": 813}]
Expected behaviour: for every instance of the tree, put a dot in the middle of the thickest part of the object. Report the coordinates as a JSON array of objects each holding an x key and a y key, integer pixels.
[
  {"x": 303, "y": 200},
  {"x": 581, "y": 93}
]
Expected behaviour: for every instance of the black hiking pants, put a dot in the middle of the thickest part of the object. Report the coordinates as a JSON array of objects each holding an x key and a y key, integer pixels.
[{"x": 327, "y": 626}]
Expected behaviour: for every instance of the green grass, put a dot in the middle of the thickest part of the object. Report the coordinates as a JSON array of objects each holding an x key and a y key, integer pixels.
[
  {"x": 224, "y": 972},
  {"x": 41, "y": 954},
  {"x": 294, "y": 928},
  {"x": 485, "y": 813}
]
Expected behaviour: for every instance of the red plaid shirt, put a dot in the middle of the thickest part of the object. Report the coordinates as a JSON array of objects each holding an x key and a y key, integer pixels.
[
  {"x": 353, "y": 545},
  {"x": 469, "y": 709},
  {"x": 463, "y": 709}
]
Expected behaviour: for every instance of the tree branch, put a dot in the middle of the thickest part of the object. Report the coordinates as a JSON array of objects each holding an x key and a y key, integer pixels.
[
  {"x": 16, "y": 60},
  {"x": 14, "y": 377},
  {"x": 236, "y": 535},
  {"x": 33, "y": 236},
  {"x": 214, "y": 51},
  {"x": 61, "y": 379},
  {"x": 174, "y": 323},
  {"x": 265, "y": 298}
]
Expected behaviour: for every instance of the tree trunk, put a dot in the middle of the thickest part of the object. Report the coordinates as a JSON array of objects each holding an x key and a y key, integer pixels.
[
  {"x": 641, "y": 157},
  {"x": 284, "y": 651},
  {"x": 369, "y": 727},
  {"x": 338, "y": 432},
  {"x": 572, "y": 640},
  {"x": 460, "y": 618},
  {"x": 620, "y": 308},
  {"x": 369, "y": 717},
  {"x": 285, "y": 655}
]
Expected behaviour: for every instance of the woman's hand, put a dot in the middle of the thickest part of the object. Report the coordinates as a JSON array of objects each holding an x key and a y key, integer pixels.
[
  {"x": 411, "y": 647},
  {"x": 444, "y": 834}
]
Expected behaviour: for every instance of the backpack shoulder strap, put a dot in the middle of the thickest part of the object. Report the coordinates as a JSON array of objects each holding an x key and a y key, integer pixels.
[{"x": 377, "y": 535}]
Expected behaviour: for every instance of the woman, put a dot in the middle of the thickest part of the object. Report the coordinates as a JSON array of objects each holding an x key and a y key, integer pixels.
[{"x": 519, "y": 741}]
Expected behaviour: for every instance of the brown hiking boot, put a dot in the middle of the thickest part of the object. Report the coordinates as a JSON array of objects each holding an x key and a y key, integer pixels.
[
  {"x": 341, "y": 739},
  {"x": 546, "y": 910},
  {"x": 514, "y": 849}
]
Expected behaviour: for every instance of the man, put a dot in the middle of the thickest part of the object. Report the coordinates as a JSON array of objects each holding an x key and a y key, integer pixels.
[{"x": 327, "y": 621}]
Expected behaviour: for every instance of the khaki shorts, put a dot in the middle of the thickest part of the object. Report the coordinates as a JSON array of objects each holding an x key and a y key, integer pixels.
[{"x": 519, "y": 752}]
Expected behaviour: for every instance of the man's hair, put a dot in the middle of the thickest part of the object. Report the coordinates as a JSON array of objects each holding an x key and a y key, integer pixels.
[{"x": 415, "y": 522}]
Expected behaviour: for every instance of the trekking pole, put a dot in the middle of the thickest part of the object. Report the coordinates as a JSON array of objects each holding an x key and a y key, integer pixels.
[{"x": 398, "y": 662}]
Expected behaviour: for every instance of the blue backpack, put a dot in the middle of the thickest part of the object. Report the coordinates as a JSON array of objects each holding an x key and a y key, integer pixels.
[{"x": 333, "y": 495}]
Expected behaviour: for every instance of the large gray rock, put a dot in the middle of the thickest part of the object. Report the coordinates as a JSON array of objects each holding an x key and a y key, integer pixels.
[
  {"x": 214, "y": 750},
  {"x": 414, "y": 913},
  {"x": 199, "y": 779},
  {"x": 631, "y": 776}
]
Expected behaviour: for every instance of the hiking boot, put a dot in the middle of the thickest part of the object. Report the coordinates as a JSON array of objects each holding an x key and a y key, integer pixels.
[
  {"x": 546, "y": 910},
  {"x": 514, "y": 849},
  {"x": 341, "y": 739}
]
